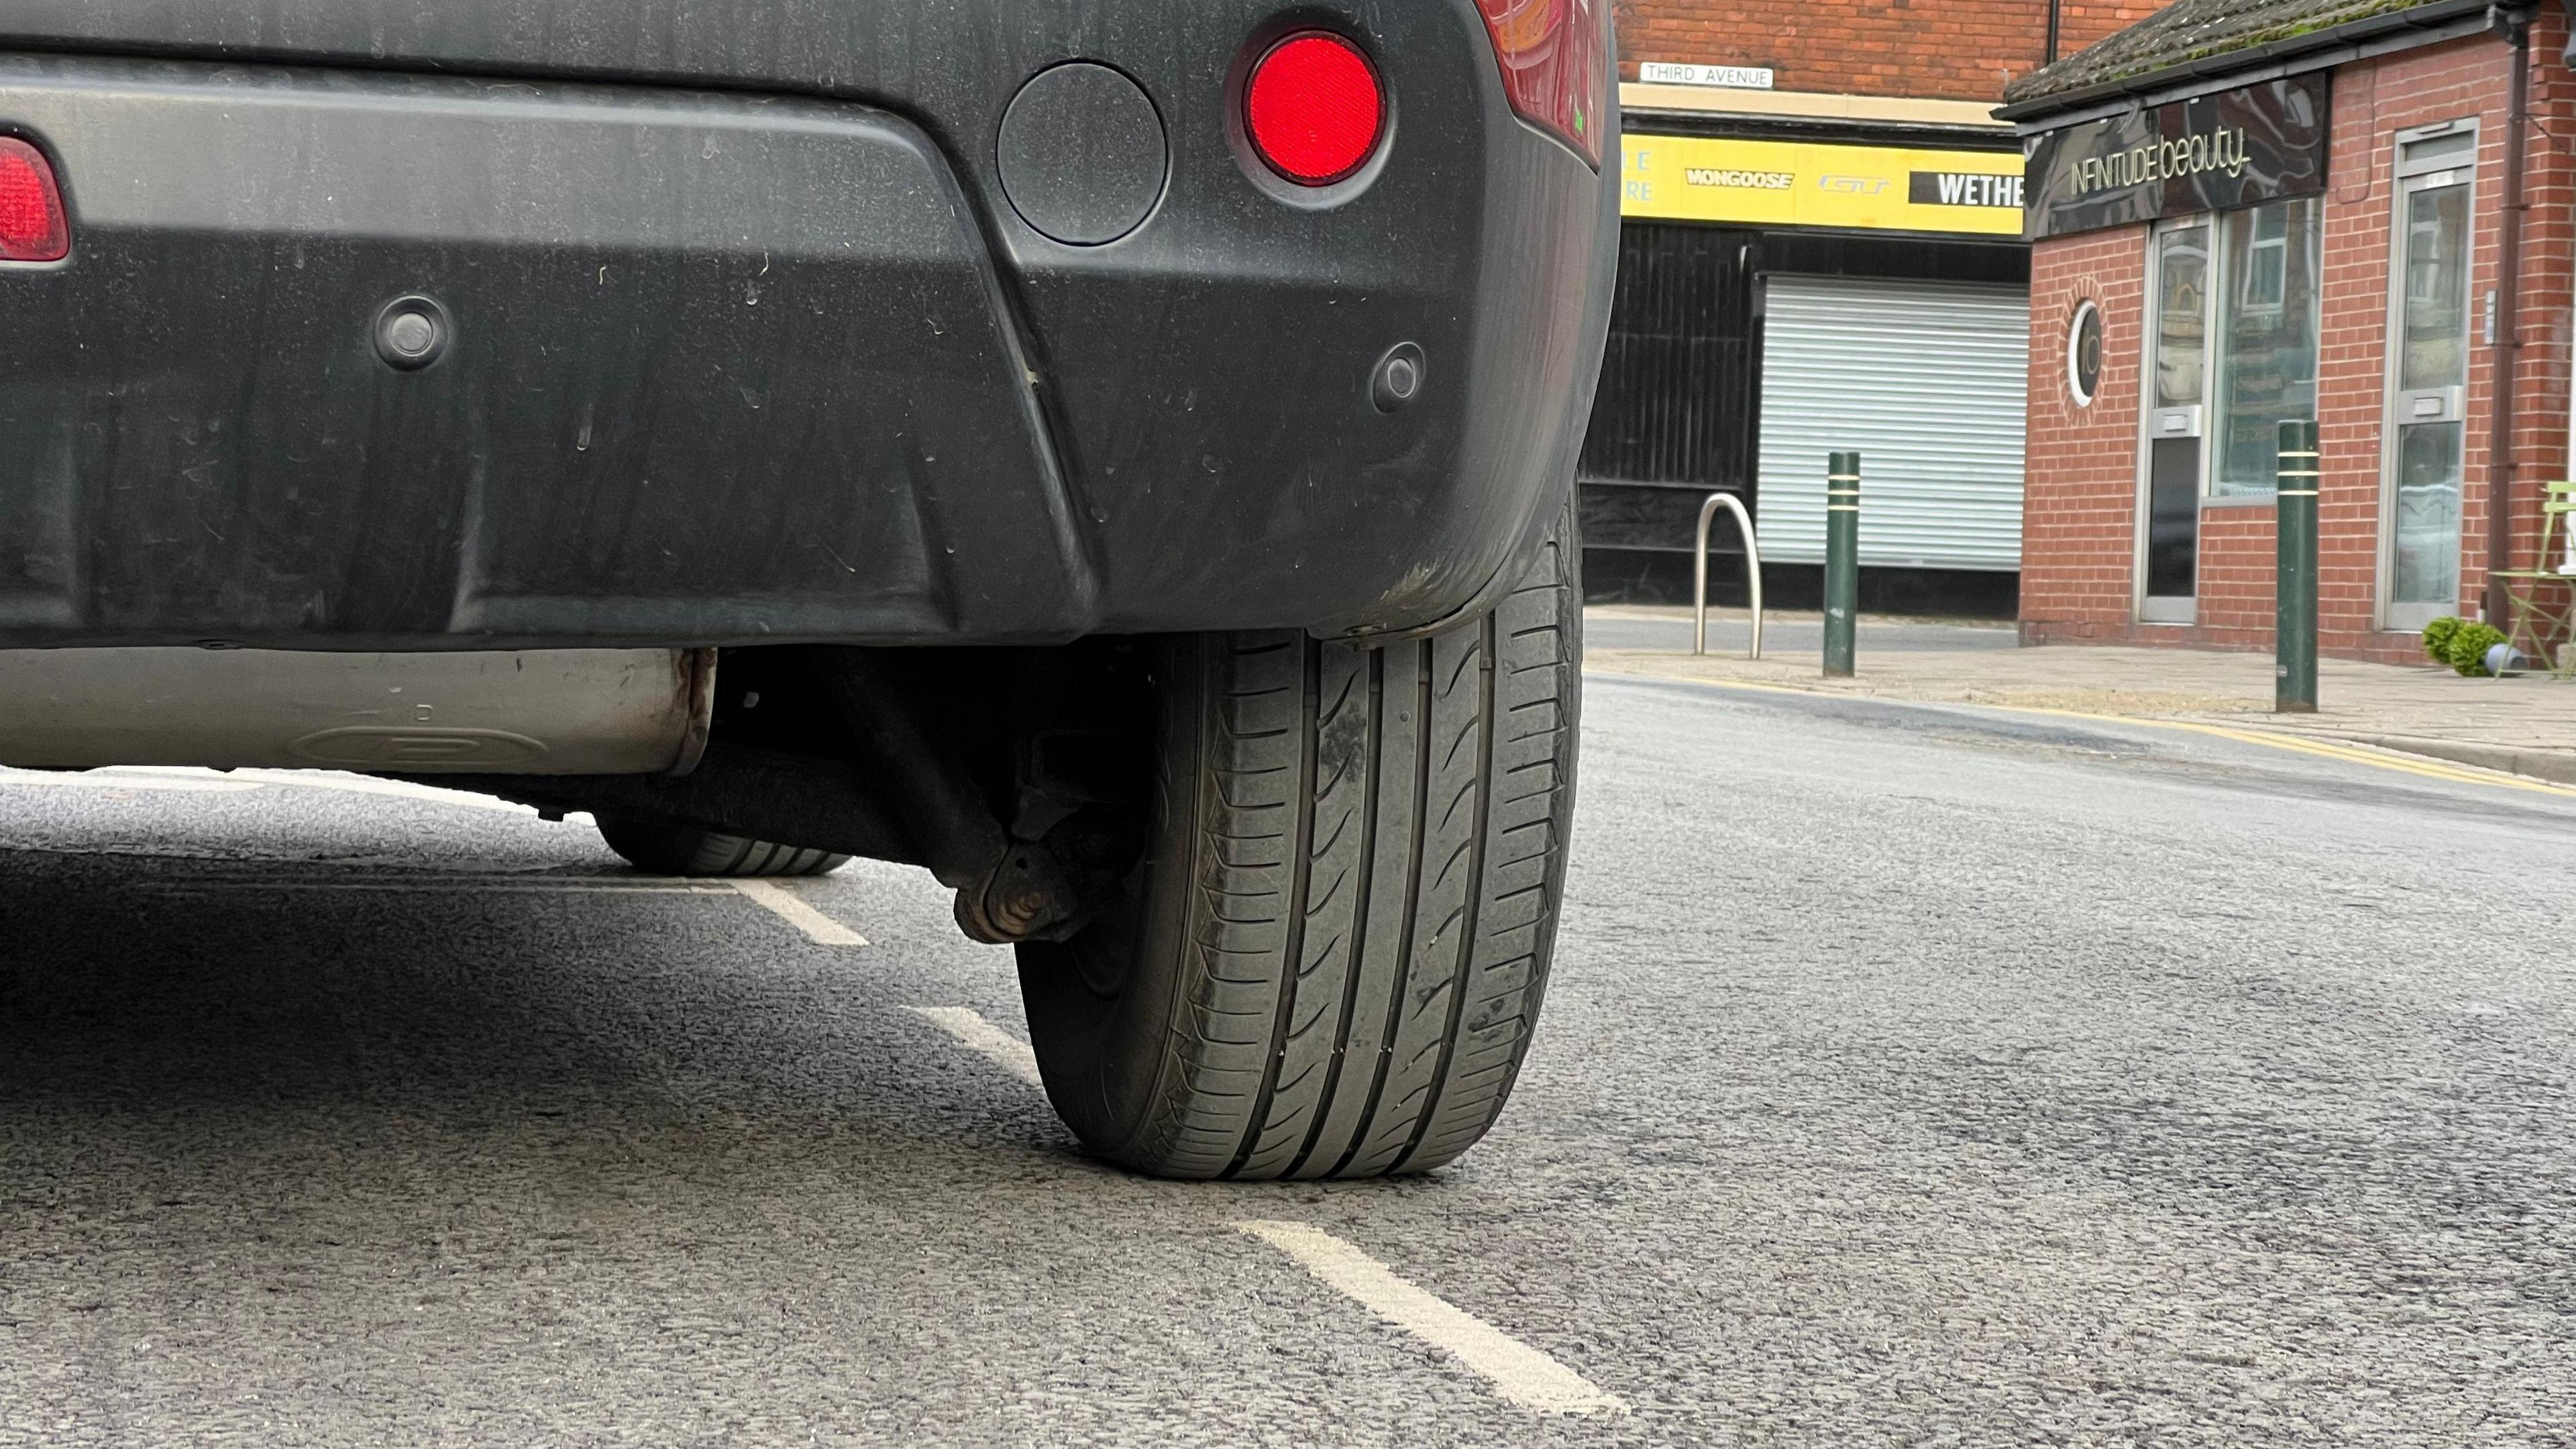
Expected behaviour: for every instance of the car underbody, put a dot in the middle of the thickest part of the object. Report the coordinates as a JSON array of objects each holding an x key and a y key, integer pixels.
[{"x": 1117, "y": 458}]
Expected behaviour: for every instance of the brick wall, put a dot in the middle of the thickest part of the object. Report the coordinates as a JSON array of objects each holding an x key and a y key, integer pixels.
[
  {"x": 2078, "y": 572},
  {"x": 2079, "y": 509},
  {"x": 1950, "y": 49}
]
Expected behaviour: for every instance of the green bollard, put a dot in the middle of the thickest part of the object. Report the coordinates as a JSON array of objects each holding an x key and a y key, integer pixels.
[
  {"x": 2294, "y": 623},
  {"x": 1842, "y": 562}
]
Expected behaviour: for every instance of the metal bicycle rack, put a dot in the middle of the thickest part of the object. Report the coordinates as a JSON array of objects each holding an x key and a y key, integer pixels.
[{"x": 1699, "y": 572}]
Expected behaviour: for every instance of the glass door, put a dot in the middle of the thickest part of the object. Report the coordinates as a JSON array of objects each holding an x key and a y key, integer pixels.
[
  {"x": 2263, "y": 361},
  {"x": 2428, "y": 376},
  {"x": 2177, "y": 391}
]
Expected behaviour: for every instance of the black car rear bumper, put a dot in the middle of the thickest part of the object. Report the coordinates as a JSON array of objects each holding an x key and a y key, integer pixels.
[{"x": 724, "y": 367}]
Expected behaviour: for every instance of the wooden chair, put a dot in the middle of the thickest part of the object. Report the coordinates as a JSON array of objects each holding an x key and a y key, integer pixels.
[{"x": 2544, "y": 598}]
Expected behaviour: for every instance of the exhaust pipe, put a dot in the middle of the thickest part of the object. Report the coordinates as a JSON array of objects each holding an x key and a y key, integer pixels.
[{"x": 532, "y": 712}]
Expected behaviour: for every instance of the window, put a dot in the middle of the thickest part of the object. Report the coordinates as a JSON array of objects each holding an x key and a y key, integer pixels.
[
  {"x": 2428, "y": 372},
  {"x": 2084, "y": 354},
  {"x": 2267, "y": 340},
  {"x": 2434, "y": 331},
  {"x": 2267, "y": 260},
  {"x": 2231, "y": 353},
  {"x": 2182, "y": 314}
]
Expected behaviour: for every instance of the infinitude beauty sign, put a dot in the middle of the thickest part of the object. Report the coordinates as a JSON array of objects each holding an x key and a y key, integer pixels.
[{"x": 2210, "y": 153}]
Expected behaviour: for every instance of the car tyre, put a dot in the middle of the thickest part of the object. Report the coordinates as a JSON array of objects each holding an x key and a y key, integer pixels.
[
  {"x": 678, "y": 850},
  {"x": 1330, "y": 963}
]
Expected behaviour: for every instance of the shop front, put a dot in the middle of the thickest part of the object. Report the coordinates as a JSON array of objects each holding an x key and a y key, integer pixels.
[
  {"x": 1783, "y": 295},
  {"x": 2348, "y": 236}
]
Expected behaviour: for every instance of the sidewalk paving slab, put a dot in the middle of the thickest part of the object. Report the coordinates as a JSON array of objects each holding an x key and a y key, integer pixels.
[{"x": 2524, "y": 725}]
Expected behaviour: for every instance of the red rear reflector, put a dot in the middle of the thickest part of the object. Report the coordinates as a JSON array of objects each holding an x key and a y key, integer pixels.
[
  {"x": 1314, "y": 109},
  {"x": 31, "y": 207},
  {"x": 1551, "y": 55}
]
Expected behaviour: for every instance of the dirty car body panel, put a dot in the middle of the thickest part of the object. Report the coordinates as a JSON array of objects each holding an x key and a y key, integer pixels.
[{"x": 748, "y": 344}]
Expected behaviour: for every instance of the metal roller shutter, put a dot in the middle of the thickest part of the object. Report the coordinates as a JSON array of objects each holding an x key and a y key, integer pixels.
[{"x": 1926, "y": 380}]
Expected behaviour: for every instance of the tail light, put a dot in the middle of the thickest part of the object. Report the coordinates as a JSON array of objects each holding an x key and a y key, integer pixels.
[
  {"x": 1314, "y": 108},
  {"x": 1551, "y": 55},
  {"x": 32, "y": 228}
]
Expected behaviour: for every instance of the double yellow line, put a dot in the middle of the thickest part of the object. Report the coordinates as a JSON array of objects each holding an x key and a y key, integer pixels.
[
  {"x": 2430, "y": 769},
  {"x": 2404, "y": 764}
]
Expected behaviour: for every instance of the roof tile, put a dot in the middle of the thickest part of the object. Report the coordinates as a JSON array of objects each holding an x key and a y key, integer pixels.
[{"x": 2190, "y": 30}]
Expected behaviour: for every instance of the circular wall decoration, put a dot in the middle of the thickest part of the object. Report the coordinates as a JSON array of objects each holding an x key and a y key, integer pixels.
[{"x": 2084, "y": 353}]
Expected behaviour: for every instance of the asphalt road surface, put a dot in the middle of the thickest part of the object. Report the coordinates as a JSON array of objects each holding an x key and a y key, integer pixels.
[{"x": 1911, "y": 1075}]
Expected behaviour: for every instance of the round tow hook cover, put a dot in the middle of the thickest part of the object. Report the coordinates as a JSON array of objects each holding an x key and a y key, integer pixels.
[
  {"x": 1082, "y": 154},
  {"x": 1398, "y": 379},
  {"x": 412, "y": 332}
]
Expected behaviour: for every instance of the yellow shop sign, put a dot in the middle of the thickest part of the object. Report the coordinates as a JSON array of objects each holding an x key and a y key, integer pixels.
[{"x": 1800, "y": 183}]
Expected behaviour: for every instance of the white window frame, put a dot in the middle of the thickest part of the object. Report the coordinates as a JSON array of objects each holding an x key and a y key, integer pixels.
[
  {"x": 2384, "y": 570},
  {"x": 2279, "y": 249},
  {"x": 2144, "y": 608}
]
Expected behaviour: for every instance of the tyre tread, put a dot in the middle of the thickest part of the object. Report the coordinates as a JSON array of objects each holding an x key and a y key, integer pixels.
[
  {"x": 680, "y": 851},
  {"x": 1376, "y": 847}
]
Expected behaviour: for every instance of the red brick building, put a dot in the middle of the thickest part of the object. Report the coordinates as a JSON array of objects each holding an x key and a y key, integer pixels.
[
  {"x": 1817, "y": 192},
  {"x": 2395, "y": 241},
  {"x": 1954, "y": 49}
]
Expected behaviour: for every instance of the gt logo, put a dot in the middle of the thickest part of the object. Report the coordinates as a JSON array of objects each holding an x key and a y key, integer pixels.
[{"x": 1853, "y": 185}]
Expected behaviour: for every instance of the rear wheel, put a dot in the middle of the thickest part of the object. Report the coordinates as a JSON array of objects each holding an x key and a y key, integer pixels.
[
  {"x": 1331, "y": 960},
  {"x": 678, "y": 850}
]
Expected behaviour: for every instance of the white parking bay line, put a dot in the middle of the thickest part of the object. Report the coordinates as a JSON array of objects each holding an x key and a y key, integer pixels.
[
  {"x": 449, "y": 884},
  {"x": 1005, "y": 1050},
  {"x": 1518, "y": 1372},
  {"x": 209, "y": 786},
  {"x": 791, "y": 908},
  {"x": 335, "y": 780}
]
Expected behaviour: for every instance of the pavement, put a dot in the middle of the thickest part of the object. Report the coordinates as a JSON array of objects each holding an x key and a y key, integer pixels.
[
  {"x": 1912, "y": 1073},
  {"x": 2524, "y": 724}
]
